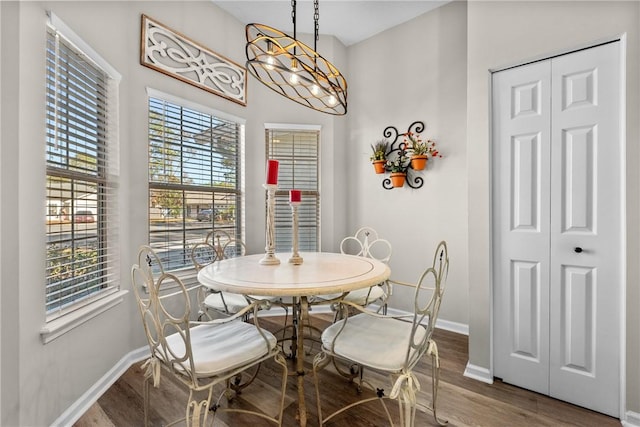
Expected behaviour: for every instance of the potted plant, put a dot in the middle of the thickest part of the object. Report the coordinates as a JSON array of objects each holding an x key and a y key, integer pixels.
[
  {"x": 398, "y": 168},
  {"x": 379, "y": 156},
  {"x": 420, "y": 150}
]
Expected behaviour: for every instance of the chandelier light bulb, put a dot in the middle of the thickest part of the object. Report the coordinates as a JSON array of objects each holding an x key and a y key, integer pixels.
[
  {"x": 315, "y": 89},
  {"x": 270, "y": 61},
  {"x": 293, "y": 77},
  {"x": 332, "y": 100}
]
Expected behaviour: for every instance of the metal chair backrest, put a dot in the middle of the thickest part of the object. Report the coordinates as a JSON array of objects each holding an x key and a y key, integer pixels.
[
  {"x": 234, "y": 248},
  {"x": 203, "y": 254},
  {"x": 150, "y": 261},
  {"x": 365, "y": 242},
  {"x": 217, "y": 239},
  {"x": 217, "y": 245},
  {"x": 427, "y": 299},
  {"x": 165, "y": 311}
]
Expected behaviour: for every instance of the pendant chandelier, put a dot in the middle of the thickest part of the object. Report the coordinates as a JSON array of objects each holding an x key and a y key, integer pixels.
[{"x": 293, "y": 69}]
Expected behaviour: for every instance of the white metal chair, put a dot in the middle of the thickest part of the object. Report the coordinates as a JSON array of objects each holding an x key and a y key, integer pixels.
[
  {"x": 390, "y": 344},
  {"x": 366, "y": 243},
  {"x": 218, "y": 245},
  {"x": 199, "y": 354}
]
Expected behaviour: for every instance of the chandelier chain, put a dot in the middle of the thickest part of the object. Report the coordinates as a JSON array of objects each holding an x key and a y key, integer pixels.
[
  {"x": 293, "y": 16},
  {"x": 316, "y": 16}
]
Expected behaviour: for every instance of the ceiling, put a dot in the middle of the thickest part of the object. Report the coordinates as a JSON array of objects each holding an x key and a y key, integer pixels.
[{"x": 350, "y": 21}]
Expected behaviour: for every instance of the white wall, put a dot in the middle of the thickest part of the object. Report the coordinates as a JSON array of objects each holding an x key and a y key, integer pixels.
[
  {"x": 39, "y": 382},
  {"x": 506, "y": 33},
  {"x": 415, "y": 71}
]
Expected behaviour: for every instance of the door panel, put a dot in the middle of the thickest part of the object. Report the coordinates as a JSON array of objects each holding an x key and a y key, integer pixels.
[
  {"x": 521, "y": 226},
  {"x": 578, "y": 179},
  {"x": 557, "y": 226},
  {"x": 525, "y": 320},
  {"x": 525, "y": 214},
  {"x": 577, "y": 326},
  {"x": 586, "y": 213}
]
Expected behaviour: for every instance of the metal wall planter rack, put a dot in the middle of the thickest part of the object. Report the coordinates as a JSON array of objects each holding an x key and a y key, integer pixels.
[{"x": 398, "y": 156}]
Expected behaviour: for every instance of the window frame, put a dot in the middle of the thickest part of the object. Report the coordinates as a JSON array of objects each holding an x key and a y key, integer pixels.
[
  {"x": 64, "y": 317},
  {"x": 239, "y": 183},
  {"x": 283, "y": 215}
]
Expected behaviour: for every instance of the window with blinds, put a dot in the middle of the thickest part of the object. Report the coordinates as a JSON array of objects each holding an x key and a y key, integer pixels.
[
  {"x": 297, "y": 153},
  {"x": 82, "y": 178},
  {"x": 194, "y": 179}
]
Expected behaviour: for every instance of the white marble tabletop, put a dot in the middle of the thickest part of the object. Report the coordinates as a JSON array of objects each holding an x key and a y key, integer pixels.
[{"x": 320, "y": 273}]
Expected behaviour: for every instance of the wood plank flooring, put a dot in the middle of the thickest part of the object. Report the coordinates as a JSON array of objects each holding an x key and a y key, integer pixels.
[{"x": 461, "y": 401}]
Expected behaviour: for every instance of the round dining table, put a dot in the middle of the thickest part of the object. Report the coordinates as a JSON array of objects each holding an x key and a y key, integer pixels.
[{"x": 320, "y": 273}]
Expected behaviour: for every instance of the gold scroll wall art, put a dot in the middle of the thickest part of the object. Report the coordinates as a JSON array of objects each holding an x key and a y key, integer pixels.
[{"x": 175, "y": 55}]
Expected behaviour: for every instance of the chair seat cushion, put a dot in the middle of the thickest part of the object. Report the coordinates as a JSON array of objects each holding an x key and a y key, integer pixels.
[
  {"x": 234, "y": 302},
  {"x": 360, "y": 296},
  {"x": 221, "y": 348},
  {"x": 380, "y": 343},
  {"x": 366, "y": 296}
]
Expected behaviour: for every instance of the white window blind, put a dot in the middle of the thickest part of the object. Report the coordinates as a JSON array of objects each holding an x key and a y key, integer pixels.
[
  {"x": 194, "y": 179},
  {"x": 82, "y": 177},
  {"x": 297, "y": 152}
]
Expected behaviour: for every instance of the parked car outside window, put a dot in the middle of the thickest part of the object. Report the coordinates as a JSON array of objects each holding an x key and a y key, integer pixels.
[
  {"x": 204, "y": 215},
  {"x": 84, "y": 216}
]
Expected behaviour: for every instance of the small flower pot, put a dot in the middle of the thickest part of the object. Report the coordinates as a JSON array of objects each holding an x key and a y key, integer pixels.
[
  {"x": 397, "y": 179},
  {"x": 378, "y": 165},
  {"x": 418, "y": 162}
]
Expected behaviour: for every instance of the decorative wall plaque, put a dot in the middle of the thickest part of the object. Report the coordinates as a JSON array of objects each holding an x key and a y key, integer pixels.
[{"x": 175, "y": 55}]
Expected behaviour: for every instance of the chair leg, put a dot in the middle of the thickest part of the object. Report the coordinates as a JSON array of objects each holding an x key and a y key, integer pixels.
[
  {"x": 285, "y": 374},
  {"x": 435, "y": 381},
  {"x": 198, "y": 410},
  {"x": 320, "y": 361},
  {"x": 407, "y": 406},
  {"x": 145, "y": 394}
]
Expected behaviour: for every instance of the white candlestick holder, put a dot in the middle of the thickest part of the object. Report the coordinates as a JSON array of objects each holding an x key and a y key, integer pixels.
[
  {"x": 295, "y": 259},
  {"x": 270, "y": 247}
]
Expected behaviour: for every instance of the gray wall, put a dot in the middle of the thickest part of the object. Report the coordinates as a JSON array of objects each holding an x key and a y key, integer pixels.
[{"x": 415, "y": 71}]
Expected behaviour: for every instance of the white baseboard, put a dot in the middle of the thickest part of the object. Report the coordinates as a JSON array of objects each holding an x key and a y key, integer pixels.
[
  {"x": 91, "y": 396},
  {"x": 631, "y": 419},
  {"x": 478, "y": 373},
  {"x": 447, "y": 325},
  {"x": 458, "y": 328}
]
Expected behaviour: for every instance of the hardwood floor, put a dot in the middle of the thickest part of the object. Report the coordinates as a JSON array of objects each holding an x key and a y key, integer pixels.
[{"x": 461, "y": 401}]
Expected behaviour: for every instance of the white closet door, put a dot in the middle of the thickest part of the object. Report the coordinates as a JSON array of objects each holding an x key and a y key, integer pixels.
[
  {"x": 558, "y": 227},
  {"x": 521, "y": 224},
  {"x": 586, "y": 229}
]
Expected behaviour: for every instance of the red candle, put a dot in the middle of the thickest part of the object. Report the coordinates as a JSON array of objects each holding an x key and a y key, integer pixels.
[
  {"x": 294, "y": 195},
  {"x": 272, "y": 172}
]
